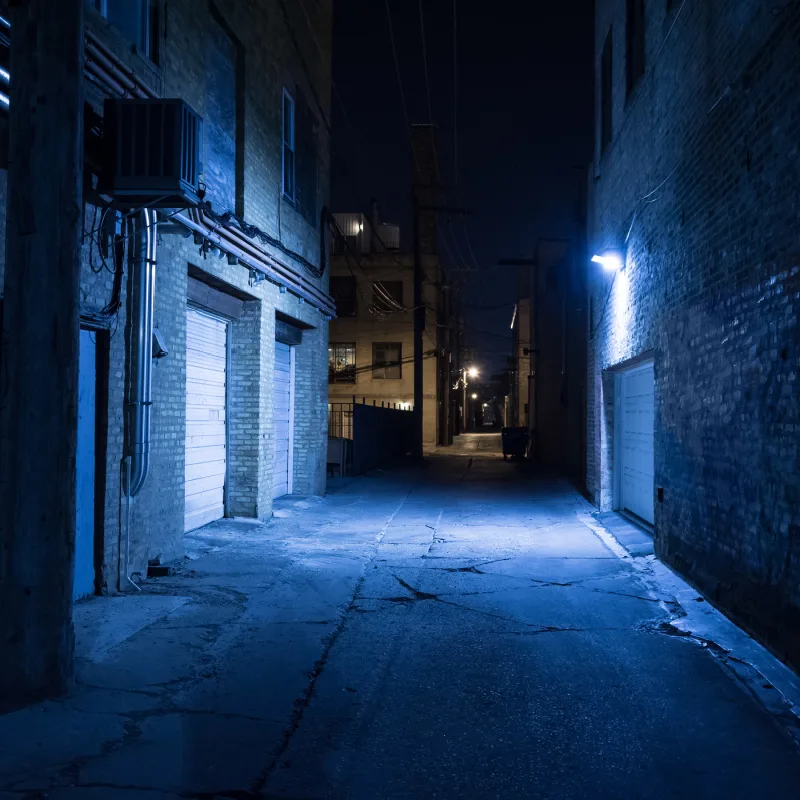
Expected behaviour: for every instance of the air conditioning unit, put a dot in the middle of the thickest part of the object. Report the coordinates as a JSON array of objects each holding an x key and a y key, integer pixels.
[{"x": 152, "y": 153}]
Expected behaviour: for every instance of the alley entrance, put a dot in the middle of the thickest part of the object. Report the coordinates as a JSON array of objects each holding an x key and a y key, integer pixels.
[{"x": 467, "y": 630}]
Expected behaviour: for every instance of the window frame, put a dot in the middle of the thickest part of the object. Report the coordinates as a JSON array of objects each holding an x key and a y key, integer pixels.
[
  {"x": 607, "y": 92},
  {"x": 380, "y": 369},
  {"x": 337, "y": 296},
  {"x": 635, "y": 43},
  {"x": 149, "y": 44},
  {"x": 291, "y": 146},
  {"x": 348, "y": 369},
  {"x": 380, "y": 301}
]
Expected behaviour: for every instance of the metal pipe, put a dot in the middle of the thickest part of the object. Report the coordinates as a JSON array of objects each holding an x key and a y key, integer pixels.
[
  {"x": 120, "y": 71},
  {"x": 145, "y": 244},
  {"x": 252, "y": 258}
]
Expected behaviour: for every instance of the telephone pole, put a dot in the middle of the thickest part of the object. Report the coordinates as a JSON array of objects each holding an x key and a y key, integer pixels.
[{"x": 40, "y": 345}]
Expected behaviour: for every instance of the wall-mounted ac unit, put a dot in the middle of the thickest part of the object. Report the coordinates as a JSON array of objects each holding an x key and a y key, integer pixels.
[{"x": 152, "y": 153}]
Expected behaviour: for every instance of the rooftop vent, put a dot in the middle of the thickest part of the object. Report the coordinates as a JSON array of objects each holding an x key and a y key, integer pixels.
[{"x": 152, "y": 153}]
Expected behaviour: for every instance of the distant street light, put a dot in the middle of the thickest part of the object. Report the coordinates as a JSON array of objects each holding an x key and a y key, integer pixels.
[
  {"x": 474, "y": 397},
  {"x": 473, "y": 372}
]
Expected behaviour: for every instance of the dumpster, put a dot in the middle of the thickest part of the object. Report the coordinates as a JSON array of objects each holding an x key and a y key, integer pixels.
[{"x": 515, "y": 442}]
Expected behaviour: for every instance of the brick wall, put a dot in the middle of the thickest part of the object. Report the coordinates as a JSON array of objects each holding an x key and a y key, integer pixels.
[
  {"x": 259, "y": 30},
  {"x": 703, "y": 171}
]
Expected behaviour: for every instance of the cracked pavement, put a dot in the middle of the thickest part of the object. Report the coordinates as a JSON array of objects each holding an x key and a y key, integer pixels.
[{"x": 467, "y": 630}]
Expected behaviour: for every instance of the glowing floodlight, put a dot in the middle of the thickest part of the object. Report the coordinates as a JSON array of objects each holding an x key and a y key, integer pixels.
[
  {"x": 611, "y": 260},
  {"x": 473, "y": 372}
]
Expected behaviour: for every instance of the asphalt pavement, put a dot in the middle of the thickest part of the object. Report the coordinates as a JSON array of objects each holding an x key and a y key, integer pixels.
[{"x": 466, "y": 630}]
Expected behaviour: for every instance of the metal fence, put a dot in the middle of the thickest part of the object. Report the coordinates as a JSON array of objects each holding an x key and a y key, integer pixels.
[{"x": 340, "y": 420}]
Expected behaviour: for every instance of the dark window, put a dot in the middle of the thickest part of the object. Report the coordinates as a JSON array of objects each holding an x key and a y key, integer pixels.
[
  {"x": 305, "y": 161},
  {"x": 344, "y": 245},
  {"x": 342, "y": 362},
  {"x": 387, "y": 360},
  {"x": 343, "y": 291},
  {"x": 137, "y": 20},
  {"x": 288, "y": 146},
  {"x": 606, "y": 87},
  {"x": 224, "y": 118},
  {"x": 387, "y": 295},
  {"x": 635, "y": 43}
]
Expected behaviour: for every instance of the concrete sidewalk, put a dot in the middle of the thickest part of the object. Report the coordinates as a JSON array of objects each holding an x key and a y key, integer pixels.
[{"x": 190, "y": 688}]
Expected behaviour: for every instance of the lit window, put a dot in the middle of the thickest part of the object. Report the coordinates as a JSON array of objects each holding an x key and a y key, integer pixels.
[
  {"x": 387, "y": 360},
  {"x": 288, "y": 146},
  {"x": 342, "y": 363},
  {"x": 136, "y": 20}
]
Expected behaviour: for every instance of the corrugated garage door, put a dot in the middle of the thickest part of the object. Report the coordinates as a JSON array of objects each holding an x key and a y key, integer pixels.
[
  {"x": 284, "y": 420},
  {"x": 636, "y": 486},
  {"x": 206, "y": 371}
]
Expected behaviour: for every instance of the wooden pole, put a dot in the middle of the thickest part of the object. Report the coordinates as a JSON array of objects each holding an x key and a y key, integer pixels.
[{"x": 40, "y": 345}]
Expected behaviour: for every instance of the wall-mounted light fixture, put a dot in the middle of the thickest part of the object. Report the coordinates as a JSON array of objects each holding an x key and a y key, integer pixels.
[{"x": 611, "y": 260}]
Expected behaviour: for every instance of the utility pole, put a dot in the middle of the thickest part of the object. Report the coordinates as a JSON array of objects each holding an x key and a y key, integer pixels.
[
  {"x": 419, "y": 328},
  {"x": 40, "y": 346},
  {"x": 533, "y": 393}
]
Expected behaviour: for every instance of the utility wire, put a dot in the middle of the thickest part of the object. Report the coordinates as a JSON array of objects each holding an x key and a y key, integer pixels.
[{"x": 400, "y": 84}]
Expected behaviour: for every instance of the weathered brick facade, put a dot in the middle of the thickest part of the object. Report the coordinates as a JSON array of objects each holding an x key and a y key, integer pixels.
[
  {"x": 264, "y": 50},
  {"x": 702, "y": 174}
]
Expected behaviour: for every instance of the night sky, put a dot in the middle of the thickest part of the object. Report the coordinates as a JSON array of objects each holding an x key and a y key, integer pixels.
[{"x": 524, "y": 109}]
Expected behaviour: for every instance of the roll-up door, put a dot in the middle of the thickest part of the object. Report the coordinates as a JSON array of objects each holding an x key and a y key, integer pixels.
[
  {"x": 206, "y": 407},
  {"x": 283, "y": 405},
  {"x": 635, "y": 431}
]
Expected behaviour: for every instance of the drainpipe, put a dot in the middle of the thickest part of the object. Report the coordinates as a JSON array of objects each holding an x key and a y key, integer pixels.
[
  {"x": 141, "y": 385},
  {"x": 140, "y": 392}
]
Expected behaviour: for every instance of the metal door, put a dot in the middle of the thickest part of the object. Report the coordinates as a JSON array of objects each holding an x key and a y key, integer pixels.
[
  {"x": 283, "y": 427},
  {"x": 83, "y": 583},
  {"x": 206, "y": 409},
  {"x": 635, "y": 466}
]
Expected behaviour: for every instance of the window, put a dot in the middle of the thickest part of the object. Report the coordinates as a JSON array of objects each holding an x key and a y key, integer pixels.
[
  {"x": 342, "y": 362},
  {"x": 606, "y": 86},
  {"x": 635, "y": 43},
  {"x": 288, "y": 146},
  {"x": 386, "y": 361},
  {"x": 343, "y": 291},
  {"x": 137, "y": 20},
  {"x": 306, "y": 163},
  {"x": 384, "y": 292}
]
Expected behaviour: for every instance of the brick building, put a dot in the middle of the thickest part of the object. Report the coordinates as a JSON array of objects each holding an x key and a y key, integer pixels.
[
  {"x": 241, "y": 308},
  {"x": 693, "y": 337},
  {"x": 371, "y": 349}
]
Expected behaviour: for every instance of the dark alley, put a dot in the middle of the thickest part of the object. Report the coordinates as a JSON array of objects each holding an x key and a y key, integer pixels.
[{"x": 465, "y": 630}]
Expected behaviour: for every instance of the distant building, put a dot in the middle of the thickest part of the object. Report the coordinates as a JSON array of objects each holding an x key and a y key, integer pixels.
[
  {"x": 371, "y": 347},
  {"x": 693, "y": 332},
  {"x": 548, "y": 366}
]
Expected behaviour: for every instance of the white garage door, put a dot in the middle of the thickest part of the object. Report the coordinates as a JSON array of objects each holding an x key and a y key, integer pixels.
[
  {"x": 635, "y": 431},
  {"x": 206, "y": 371},
  {"x": 284, "y": 420}
]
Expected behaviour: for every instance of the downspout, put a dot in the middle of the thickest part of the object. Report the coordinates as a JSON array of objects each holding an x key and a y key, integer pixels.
[
  {"x": 141, "y": 387},
  {"x": 140, "y": 394}
]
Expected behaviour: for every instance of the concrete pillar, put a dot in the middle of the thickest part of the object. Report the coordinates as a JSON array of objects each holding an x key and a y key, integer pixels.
[{"x": 38, "y": 405}]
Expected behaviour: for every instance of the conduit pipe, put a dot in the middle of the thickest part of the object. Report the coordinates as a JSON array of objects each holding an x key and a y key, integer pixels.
[
  {"x": 252, "y": 256},
  {"x": 145, "y": 251},
  {"x": 114, "y": 68},
  {"x": 283, "y": 272}
]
